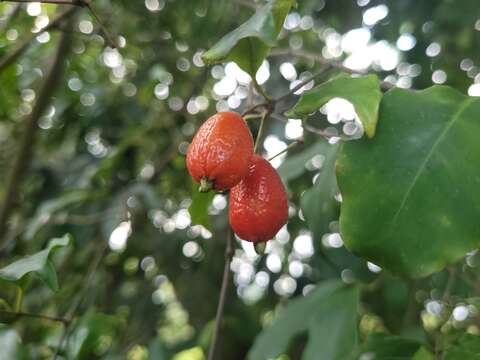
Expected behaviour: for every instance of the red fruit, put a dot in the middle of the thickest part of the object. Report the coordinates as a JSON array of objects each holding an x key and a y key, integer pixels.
[
  {"x": 258, "y": 204},
  {"x": 220, "y": 152}
]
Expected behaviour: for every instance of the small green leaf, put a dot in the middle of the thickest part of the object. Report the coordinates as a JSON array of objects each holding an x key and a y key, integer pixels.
[
  {"x": 304, "y": 313},
  {"x": 363, "y": 92},
  {"x": 381, "y": 346},
  {"x": 198, "y": 209},
  {"x": 411, "y": 195},
  {"x": 318, "y": 203},
  {"x": 467, "y": 348},
  {"x": 38, "y": 264},
  {"x": 89, "y": 330},
  {"x": 249, "y": 43}
]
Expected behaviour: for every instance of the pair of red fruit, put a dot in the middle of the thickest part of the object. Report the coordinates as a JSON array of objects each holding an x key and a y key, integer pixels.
[{"x": 221, "y": 157}]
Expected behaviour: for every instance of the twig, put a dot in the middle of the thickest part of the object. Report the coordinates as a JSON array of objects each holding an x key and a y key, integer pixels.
[
  {"x": 261, "y": 129},
  {"x": 321, "y": 60},
  {"x": 57, "y": 2},
  {"x": 32, "y": 315},
  {"x": 311, "y": 129},
  {"x": 223, "y": 295},
  {"x": 72, "y": 311},
  {"x": 450, "y": 283},
  {"x": 9, "y": 58},
  {"x": 253, "y": 108},
  {"x": 260, "y": 90},
  {"x": 13, "y": 14},
  {"x": 289, "y": 147},
  {"x": 105, "y": 32},
  {"x": 246, "y": 3},
  {"x": 321, "y": 72},
  {"x": 24, "y": 155}
]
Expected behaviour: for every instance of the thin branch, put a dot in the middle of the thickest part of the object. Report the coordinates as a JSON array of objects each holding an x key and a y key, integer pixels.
[
  {"x": 57, "y": 2},
  {"x": 261, "y": 129},
  {"x": 223, "y": 295},
  {"x": 311, "y": 129},
  {"x": 246, "y": 3},
  {"x": 253, "y": 108},
  {"x": 9, "y": 58},
  {"x": 321, "y": 72},
  {"x": 450, "y": 283},
  {"x": 72, "y": 311},
  {"x": 289, "y": 147},
  {"x": 260, "y": 90},
  {"x": 24, "y": 154},
  {"x": 105, "y": 32},
  {"x": 13, "y": 14},
  {"x": 321, "y": 60},
  {"x": 32, "y": 315}
]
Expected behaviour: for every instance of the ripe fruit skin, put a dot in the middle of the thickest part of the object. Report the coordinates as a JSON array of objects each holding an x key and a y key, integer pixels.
[
  {"x": 220, "y": 151},
  {"x": 258, "y": 204}
]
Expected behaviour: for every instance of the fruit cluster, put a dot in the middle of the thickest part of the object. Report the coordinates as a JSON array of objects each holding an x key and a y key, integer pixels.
[{"x": 221, "y": 157}]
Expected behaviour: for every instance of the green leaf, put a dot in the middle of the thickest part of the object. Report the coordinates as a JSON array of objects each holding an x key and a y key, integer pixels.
[
  {"x": 294, "y": 165},
  {"x": 423, "y": 354},
  {"x": 306, "y": 313},
  {"x": 411, "y": 195},
  {"x": 198, "y": 209},
  {"x": 318, "y": 203},
  {"x": 38, "y": 264},
  {"x": 468, "y": 348},
  {"x": 333, "y": 330},
  {"x": 363, "y": 92},
  {"x": 386, "y": 347},
  {"x": 249, "y": 43},
  {"x": 89, "y": 330}
]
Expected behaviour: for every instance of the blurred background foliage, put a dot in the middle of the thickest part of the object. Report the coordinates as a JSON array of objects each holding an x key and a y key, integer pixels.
[{"x": 108, "y": 168}]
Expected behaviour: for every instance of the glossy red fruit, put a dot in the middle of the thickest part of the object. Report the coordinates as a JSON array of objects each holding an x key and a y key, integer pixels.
[
  {"x": 220, "y": 152},
  {"x": 258, "y": 204}
]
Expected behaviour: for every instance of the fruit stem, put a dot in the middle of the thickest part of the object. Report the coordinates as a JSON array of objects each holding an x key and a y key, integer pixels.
[
  {"x": 205, "y": 185},
  {"x": 18, "y": 299}
]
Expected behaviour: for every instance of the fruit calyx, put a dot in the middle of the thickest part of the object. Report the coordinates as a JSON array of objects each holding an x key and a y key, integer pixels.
[
  {"x": 260, "y": 247},
  {"x": 205, "y": 185}
]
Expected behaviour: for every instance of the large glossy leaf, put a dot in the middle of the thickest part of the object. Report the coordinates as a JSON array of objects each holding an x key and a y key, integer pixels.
[
  {"x": 363, "y": 92},
  {"x": 318, "y": 203},
  {"x": 249, "y": 43},
  {"x": 306, "y": 313},
  {"x": 38, "y": 264},
  {"x": 411, "y": 196},
  {"x": 333, "y": 331}
]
